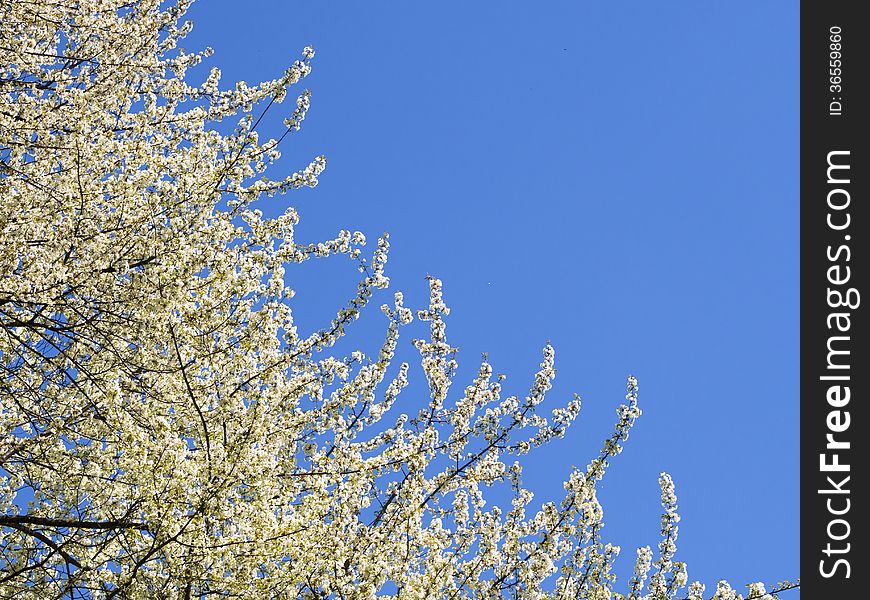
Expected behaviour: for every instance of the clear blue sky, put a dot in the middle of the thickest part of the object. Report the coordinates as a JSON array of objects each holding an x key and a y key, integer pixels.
[{"x": 618, "y": 178}]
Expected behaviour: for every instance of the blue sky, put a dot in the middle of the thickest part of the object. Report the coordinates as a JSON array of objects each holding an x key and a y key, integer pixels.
[{"x": 620, "y": 179}]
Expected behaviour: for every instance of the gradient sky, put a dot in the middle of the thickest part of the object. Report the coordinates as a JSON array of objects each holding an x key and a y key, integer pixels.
[{"x": 618, "y": 178}]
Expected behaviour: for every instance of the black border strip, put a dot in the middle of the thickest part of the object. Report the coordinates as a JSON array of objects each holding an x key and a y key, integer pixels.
[{"x": 834, "y": 231}]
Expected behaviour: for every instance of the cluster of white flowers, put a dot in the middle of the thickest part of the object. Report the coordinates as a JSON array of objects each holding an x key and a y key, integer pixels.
[
  {"x": 165, "y": 431},
  {"x": 641, "y": 570},
  {"x": 303, "y": 103}
]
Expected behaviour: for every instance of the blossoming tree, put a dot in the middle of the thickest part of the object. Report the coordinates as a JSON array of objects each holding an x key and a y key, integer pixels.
[{"x": 166, "y": 432}]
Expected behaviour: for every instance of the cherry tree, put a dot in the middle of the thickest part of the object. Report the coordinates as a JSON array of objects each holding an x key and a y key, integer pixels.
[{"x": 166, "y": 431}]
